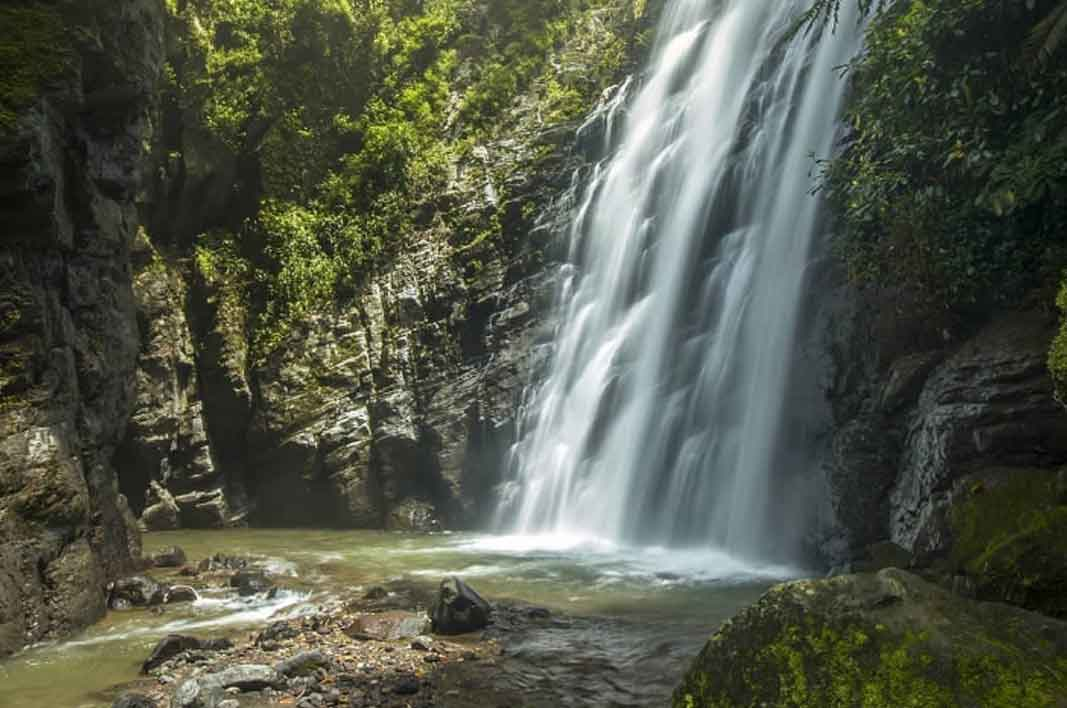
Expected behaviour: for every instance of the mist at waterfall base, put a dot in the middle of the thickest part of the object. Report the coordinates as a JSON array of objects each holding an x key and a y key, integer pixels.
[{"x": 677, "y": 410}]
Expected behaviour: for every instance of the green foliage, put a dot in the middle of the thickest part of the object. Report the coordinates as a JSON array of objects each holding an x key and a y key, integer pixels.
[
  {"x": 355, "y": 114},
  {"x": 1057, "y": 356},
  {"x": 953, "y": 184},
  {"x": 33, "y": 51}
]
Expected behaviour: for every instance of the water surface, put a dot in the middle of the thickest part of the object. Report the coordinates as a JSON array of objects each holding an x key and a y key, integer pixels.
[{"x": 633, "y": 617}]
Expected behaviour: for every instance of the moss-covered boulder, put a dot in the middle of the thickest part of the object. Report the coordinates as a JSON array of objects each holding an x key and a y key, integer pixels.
[
  {"x": 889, "y": 639},
  {"x": 1009, "y": 528}
]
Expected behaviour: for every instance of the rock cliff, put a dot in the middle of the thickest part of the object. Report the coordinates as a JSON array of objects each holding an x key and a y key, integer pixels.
[
  {"x": 72, "y": 162},
  {"x": 930, "y": 424},
  {"x": 394, "y": 407}
]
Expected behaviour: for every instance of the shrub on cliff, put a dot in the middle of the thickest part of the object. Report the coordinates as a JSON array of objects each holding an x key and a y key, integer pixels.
[
  {"x": 1057, "y": 357},
  {"x": 953, "y": 178},
  {"x": 347, "y": 118}
]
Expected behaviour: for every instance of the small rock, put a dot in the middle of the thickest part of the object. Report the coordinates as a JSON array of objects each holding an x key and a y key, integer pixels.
[
  {"x": 406, "y": 686},
  {"x": 458, "y": 609},
  {"x": 134, "y": 700},
  {"x": 221, "y": 562},
  {"x": 388, "y": 626},
  {"x": 302, "y": 664},
  {"x": 136, "y": 591},
  {"x": 376, "y": 593},
  {"x": 173, "y": 557},
  {"x": 229, "y": 703},
  {"x": 180, "y": 593},
  {"x": 251, "y": 582},
  {"x": 422, "y": 643},
  {"x": 276, "y": 632}
]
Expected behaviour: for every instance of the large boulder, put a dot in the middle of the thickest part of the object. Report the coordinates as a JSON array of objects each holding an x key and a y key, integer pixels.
[
  {"x": 251, "y": 582},
  {"x": 172, "y": 557},
  {"x": 889, "y": 639},
  {"x": 458, "y": 609}
]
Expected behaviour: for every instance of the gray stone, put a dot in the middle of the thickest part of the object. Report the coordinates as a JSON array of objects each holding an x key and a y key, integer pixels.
[
  {"x": 135, "y": 591},
  {"x": 173, "y": 557},
  {"x": 302, "y": 664},
  {"x": 209, "y": 690}
]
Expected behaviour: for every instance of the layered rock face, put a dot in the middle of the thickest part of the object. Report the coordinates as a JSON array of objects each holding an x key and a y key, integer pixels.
[
  {"x": 923, "y": 432},
  {"x": 393, "y": 409},
  {"x": 394, "y": 412},
  {"x": 72, "y": 170}
]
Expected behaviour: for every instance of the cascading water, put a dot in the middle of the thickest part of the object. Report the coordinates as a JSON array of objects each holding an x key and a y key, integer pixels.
[{"x": 662, "y": 419}]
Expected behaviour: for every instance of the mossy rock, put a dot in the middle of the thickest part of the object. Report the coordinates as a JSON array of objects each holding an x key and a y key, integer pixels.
[
  {"x": 885, "y": 640},
  {"x": 34, "y": 51},
  {"x": 1010, "y": 538}
]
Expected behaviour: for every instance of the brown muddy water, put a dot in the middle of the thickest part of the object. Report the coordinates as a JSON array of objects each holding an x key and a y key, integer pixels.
[{"x": 630, "y": 620}]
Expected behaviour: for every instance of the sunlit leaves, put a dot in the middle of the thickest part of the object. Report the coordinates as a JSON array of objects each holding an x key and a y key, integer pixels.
[{"x": 953, "y": 181}]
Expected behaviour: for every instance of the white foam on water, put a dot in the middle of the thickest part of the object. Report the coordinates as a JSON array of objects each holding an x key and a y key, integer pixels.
[
  {"x": 654, "y": 564},
  {"x": 236, "y": 612}
]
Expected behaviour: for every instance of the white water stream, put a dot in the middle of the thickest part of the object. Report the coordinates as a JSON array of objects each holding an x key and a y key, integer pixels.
[{"x": 661, "y": 419}]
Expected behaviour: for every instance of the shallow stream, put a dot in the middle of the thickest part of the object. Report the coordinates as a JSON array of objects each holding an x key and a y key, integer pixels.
[{"x": 633, "y": 618}]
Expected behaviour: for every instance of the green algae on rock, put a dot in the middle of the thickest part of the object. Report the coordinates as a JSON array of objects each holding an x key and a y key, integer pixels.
[
  {"x": 33, "y": 51},
  {"x": 889, "y": 639},
  {"x": 1010, "y": 529}
]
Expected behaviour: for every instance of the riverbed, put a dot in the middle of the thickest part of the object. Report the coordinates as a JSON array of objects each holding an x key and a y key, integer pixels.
[{"x": 632, "y": 617}]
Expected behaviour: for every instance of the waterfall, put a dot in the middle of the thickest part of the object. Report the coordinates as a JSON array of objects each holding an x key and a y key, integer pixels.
[{"x": 662, "y": 417}]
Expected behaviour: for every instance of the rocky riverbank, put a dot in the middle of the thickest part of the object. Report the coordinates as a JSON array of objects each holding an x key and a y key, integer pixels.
[{"x": 395, "y": 645}]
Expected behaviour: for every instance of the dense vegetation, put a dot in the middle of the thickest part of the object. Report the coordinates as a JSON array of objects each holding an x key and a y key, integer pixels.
[
  {"x": 953, "y": 185},
  {"x": 353, "y": 115}
]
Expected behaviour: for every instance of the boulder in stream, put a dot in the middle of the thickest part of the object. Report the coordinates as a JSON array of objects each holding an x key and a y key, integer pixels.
[
  {"x": 885, "y": 639},
  {"x": 458, "y": 609},
  {"x": 180, "y": 593},
  {"x": 135, "y": 591},
  {"x": 173, "y": 557},
  {"x": 173, "y": 644},
  {"x": 251, "y": 582}
]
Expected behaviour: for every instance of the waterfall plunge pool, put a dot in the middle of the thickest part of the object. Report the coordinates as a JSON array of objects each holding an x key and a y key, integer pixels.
[{"x": 635, "y": 617}]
